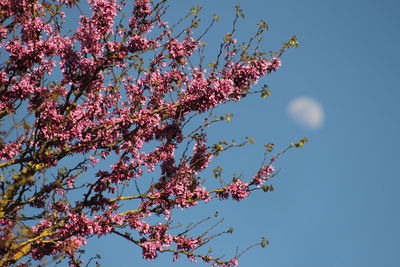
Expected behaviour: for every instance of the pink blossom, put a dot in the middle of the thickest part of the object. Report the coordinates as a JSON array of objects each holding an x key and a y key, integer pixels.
[
  {"x": 137, "y": 44},
  {"x": 238, "y": 190},
  {"x": 263, "y": 174},
  {"x": 3, "y": 33},
  {"x": 150, "y": 249},
  {"x": 186, "y": 244},
  {"x": 9, "y": 151},
  {"x": 201, "y": 156},
  {"x": 142, "y": 7}
]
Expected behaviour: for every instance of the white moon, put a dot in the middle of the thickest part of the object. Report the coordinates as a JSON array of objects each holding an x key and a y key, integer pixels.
[{"x": 306, "y": 112}]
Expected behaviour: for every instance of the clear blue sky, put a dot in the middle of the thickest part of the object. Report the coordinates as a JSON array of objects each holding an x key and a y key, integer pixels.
[{"x": 337, "y": 200}]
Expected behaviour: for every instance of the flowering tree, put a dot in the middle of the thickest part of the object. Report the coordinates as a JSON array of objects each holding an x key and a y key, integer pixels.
[{"x": 122, "y": 88}]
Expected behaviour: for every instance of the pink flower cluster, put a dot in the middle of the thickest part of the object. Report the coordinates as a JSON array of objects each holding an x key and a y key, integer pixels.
[
  {"x": 184, "y": 189},
  {"x": 150, "y": 249},
  {"x": 238, "y": 190},
  {"x": 179, "y": 50},
  {"x": 9, "y": 151},
  {"x": 142, "y": 7},
  {"x": 263, "y": 174},
  {"x": 201, "y": 156},
  {"x": 3, "y": 33},
  {"x": 187, "y": 244}
]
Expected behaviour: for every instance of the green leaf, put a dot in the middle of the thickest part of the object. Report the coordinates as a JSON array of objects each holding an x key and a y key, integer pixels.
[{"x": 265, "y": 93}]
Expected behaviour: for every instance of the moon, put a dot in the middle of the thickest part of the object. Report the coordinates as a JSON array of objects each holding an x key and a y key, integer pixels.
[{"x": 306, "y": 112}]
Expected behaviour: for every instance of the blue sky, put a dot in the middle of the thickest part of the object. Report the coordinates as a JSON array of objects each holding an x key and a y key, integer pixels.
[{"x": 336, "y": 202}]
